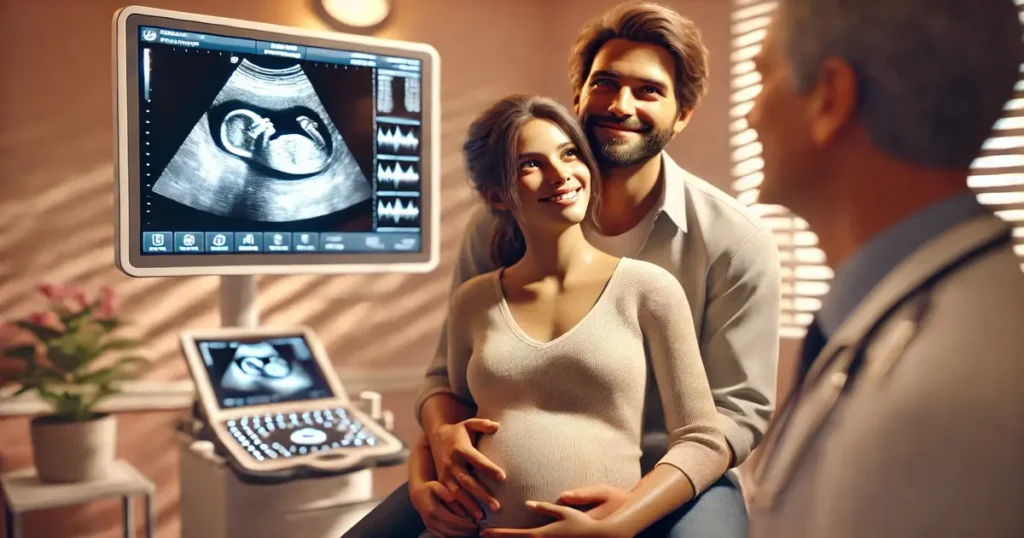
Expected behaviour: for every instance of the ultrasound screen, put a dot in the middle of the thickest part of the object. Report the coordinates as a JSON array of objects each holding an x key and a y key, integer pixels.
[
  {"x": 245, "y": 372},
  {"x": 249, "y": 146}
]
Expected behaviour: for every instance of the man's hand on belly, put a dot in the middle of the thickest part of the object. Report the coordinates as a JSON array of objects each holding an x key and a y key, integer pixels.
[
  {"x": 456, "y": 458},
  {"x": 439, "y": 511}
]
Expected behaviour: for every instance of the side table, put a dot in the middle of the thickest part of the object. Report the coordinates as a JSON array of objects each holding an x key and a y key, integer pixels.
[{"x": 24, "y": 492}]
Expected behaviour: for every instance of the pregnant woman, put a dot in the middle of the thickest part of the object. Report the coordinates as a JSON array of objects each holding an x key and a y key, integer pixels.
[{"x": 556, "y": 345}]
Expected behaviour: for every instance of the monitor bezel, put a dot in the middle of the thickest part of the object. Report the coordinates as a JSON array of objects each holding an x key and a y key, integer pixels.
[
  {"x": 204, "y": 385},
  {"x": 127, "y": 224}
]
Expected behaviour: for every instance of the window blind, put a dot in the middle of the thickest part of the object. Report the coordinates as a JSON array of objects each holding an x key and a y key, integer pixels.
[
  {"x": 997, "y": 175},
  {"x": 805, "y": 276}
]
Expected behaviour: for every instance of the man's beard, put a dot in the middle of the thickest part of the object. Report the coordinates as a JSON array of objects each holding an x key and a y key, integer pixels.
[{"x": 622, "y": 153}]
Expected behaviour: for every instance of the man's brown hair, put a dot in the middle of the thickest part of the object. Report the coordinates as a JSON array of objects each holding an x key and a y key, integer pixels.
[{"x": 646, "y": 22}]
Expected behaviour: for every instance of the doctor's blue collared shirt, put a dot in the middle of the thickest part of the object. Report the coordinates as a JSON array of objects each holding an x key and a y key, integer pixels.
[{"x": 855, "y": 278}]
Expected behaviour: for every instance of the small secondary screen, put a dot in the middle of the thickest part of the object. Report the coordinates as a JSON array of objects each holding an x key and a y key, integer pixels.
[{"x": 257, "y": 371}]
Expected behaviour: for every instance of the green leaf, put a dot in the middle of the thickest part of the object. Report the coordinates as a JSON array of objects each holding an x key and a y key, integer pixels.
[
  {"x": 126, "y": 367},
  {"x": 118, "y": 344},
  {"x": 64, "y": 357},
  {"x": 68, "y": 404},
  {"x": 23, "y": 390},
  {"x": 108, "y": 324},
  {"x": 49, "y": 396},
  {"x": 118, "y": 371},
  {"x": 35, "y": 377},
  {"x": 95, "y": 376},
  {"x": 100, "y": 395},
  {"x": 72, "y": 320},
  {"x": 131, "y": 360},
  {"x": 42, "y": 374},
  {"x": 42, "y": 333},
  {"x": 103, "y": 375},
  {"x": 26, "y": 353},
  {"x": 85, "y": 345}
]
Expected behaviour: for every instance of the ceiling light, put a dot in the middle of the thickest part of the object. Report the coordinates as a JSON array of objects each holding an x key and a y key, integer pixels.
[{"x": 357, "y": 13}]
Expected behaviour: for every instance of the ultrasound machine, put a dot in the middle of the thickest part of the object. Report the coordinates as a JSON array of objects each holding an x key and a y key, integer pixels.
[{"x": 244, "y": 149}]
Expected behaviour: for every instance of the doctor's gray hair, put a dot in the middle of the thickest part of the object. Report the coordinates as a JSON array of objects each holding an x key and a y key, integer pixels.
[{"x": 933, "y": 75}]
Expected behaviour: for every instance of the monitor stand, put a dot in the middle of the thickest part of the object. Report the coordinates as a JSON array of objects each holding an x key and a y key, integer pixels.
[{"x": 238, "y": 307}]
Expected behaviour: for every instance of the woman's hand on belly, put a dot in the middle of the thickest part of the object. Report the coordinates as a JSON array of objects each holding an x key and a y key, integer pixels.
[
  {"x": 455, "y": 457},
  {"x": 570, "y": 523},
  {"x": 602, "y": 499}
]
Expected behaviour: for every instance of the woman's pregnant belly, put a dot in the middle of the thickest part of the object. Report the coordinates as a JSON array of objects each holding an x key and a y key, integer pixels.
[{"x": 544, "y": 454}]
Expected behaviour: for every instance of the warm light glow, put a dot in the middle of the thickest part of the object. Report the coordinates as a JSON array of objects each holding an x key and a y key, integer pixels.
[
  {"x": 808, "y": 289},
  {"x": 358, "y": 13},
  {"x": 746, "y": 137},
  {"x": 740, "y": 111},
  {"x": 1001, "y": 198},
  {"x": 1004, "y": 142},
  {"x": 748, "y": 182},
  {"x": 759, "y": 9},
  {"x": 748, "y": 166},
  {"x": 746, "y": 94},
  {"x": 748, "y": 151},
  {"x": 748, "y": 197}
]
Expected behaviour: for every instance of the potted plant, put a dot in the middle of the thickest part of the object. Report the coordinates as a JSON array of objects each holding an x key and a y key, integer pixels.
[{"x": 74, "y": 442}]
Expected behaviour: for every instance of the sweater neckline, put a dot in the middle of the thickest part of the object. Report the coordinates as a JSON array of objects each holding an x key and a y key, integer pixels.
[{"x": 513, "y": 325}]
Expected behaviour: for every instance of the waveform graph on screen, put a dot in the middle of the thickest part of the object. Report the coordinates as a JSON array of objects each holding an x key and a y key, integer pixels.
[
  {"x": 398, "y": 176},
  {"x": 412, "y": 94},
  {"x": 385, "y": 95},
  {"x": 398, "y": 213},
  {"x": 398, "y": 94},
  {"x": 398, "y": 139}
]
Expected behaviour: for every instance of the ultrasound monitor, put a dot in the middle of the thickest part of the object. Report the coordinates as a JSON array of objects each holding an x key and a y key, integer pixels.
[
  {"x": 276, "y": 407},
  {"x": 245, "y": 148}
]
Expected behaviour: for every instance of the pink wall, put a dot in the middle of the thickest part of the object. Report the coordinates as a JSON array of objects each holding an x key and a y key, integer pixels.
[{"x": 56, "y": 197}]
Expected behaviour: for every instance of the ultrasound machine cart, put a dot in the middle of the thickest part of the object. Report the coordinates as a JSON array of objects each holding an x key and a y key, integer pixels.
[
  {"x": 282, "y": 450},
  {"x": 245, "y": 149}
]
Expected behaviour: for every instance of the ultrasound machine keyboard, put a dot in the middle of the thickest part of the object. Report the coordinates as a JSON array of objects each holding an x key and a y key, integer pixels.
[{"x": 290, "y": 434}]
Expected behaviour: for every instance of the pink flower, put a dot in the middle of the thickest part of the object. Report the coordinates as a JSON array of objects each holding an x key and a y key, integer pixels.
[
  {"x": 64, "y": 296},
  {"x": 108, "y": 302},
  {"x": 79, "y": 297},
  {"x": 45, "y": 318},
  {"x": 52, "y": 291}
]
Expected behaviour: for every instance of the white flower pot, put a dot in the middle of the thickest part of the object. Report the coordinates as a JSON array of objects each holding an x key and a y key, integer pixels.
[{"x": 73, "y": 451}]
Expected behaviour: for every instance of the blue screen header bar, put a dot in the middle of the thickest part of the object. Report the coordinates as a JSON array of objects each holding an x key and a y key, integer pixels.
[{"x": 178, "y": 38}]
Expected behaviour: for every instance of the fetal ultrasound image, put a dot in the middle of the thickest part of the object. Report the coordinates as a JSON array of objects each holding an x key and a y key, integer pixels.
[
  {"x": 265, "y": 149},
  {"x": 260, "y": 372},
  {"x": 260, "y": 368}
]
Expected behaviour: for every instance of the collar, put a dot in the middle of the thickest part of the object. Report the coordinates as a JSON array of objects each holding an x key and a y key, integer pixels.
[
  {"x": 855, "y": 278},
  {"x": 673, "y": 194},
  {"x": 941, "y": 251}
]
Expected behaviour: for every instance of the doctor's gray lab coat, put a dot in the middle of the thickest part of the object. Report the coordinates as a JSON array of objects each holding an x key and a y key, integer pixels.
[{"x": 911, "y": 421}]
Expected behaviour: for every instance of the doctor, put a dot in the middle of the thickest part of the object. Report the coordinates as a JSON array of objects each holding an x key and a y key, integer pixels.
[{"x": 909, "y": 416}]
